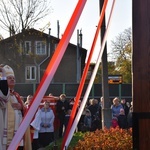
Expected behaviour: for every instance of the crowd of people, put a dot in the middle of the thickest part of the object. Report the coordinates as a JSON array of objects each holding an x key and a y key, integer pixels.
[
  {"x": 121, "y": 113},
  {"x": 40, "y": 132}
]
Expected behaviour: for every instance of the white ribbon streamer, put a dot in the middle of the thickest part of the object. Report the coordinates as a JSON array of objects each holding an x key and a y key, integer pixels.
[{"x": 83, "y": 103}]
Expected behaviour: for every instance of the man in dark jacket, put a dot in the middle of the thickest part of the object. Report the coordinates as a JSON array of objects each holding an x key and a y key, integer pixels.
[{"x": 62, "y": 107}]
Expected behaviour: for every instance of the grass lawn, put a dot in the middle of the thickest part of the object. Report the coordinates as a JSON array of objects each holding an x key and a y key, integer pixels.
[{"x": 76, "y": 137}]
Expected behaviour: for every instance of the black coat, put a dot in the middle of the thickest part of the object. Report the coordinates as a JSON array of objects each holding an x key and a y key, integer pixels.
[
  {"x": 126, "y": 109},
  {"x": 62, "y": 112},
  {"x": 122, "y": 121}
]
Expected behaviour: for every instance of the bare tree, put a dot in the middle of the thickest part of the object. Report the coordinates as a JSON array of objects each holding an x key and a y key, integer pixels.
[
  {"x": 121, "y": 46},
  {"x": 16, "y": 15}
]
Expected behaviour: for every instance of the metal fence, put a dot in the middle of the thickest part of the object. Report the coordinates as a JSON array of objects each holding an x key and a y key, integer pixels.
[{"x": 115, "y": 90}]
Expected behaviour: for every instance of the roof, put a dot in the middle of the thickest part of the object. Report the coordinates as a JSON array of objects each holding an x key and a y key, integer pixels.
[{"x": 33, "y": 31}]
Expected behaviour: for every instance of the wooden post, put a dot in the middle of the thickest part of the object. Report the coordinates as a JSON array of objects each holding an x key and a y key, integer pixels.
[{"x": 141, "y": 74}]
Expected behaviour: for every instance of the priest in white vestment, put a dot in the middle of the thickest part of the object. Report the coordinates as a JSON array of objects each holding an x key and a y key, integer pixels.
[{"x": 13, "y": 112}]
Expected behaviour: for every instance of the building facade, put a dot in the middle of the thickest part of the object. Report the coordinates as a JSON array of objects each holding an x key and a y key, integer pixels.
[{"x": 30, "y": 52}]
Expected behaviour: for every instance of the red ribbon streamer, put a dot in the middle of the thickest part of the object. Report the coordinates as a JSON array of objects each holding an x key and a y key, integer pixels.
[
  {"x": 48, "y": 75},
  {"x": 81, "y": 85}
]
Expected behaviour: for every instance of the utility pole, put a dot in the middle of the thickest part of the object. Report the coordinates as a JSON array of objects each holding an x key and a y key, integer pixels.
[{"x": 106, "y": 110}]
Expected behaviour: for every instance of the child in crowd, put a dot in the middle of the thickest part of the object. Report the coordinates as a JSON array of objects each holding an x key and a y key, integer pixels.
[
  {"x": 114, "y": 122},
  {"x": 87, "y": 120},
  {"x": 122, "y": 119}
]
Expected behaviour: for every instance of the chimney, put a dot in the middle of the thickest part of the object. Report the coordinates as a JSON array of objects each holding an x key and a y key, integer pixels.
[
  {"x": 80, "y": 38},
  {"x": 58, "y": 28},
  {"x": 49, "y": 34}
]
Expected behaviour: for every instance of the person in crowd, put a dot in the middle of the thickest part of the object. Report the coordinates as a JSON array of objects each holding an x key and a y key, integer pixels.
[
  {"x": 72, "y": 101},
  {"x": 87, "y": 120},
  {"x": 125, "y": 107},
  {"x": 114, "y": 122},
  {"x": 28, "y": 101},
  {"x": 98, "y": 106},
  {"x": 116, "y": 107},
  {"x": 34, "y": 128},
  {"x": 62, "y": 107},
  {"x": 128, "y": 104},
  {"x": 46, "y": 132},
  {"x": 81, "y": 121},
  {"x": 50, "y": 94},
  {"x": 14, "y": 111},
  {"x": 102, "y": 102},
  {"x": 44, "y": 124},
  {"x": 71, "y": 104},
  {"x": 93, "y": 107},
  {"x": 67, "y": 117},
  {"x": 3, "y": 99},
  {"x": 33, "y": 133},
  {"x": 122, "y": 119},
  {"x": 96, "y": 122},
  {"x": 129, "y": 117}
]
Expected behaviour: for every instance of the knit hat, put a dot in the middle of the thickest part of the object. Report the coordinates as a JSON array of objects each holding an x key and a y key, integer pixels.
[{"x": 9, "y": 71}]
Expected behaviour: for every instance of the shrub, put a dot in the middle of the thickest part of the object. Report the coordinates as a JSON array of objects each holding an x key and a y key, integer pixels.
[{"x": 106, "y": 139}]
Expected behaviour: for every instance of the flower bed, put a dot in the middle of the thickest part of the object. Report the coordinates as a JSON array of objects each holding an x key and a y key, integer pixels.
[{"x": 106, "y": 139}]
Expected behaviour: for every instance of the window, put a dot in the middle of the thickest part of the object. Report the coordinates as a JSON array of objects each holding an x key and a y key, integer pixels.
[
  {"x": 25, "y": 47},
  {"x": 30, "y": 73},
  {"x": 40, "y": 48}
]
